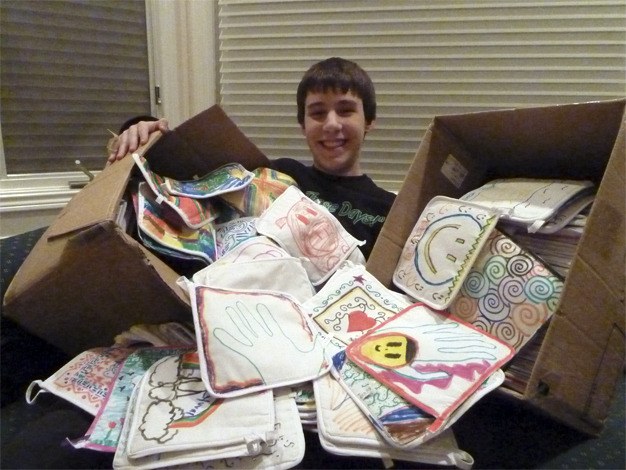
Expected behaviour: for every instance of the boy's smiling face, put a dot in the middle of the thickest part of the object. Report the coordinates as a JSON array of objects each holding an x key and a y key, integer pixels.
[{"x": 334, "y": 127}]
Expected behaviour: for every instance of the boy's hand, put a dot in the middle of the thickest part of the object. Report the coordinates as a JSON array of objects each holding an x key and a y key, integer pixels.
[{"x": 134, "y": 137}]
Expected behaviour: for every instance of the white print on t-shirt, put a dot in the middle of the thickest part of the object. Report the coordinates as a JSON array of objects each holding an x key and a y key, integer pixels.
[{"x": 346, "y": 210}]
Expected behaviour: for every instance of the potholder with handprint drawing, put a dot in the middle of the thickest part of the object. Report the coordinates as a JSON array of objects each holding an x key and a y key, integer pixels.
[
  {"x": 430, "y": 358},
  {"x": 253, "y": 340}
]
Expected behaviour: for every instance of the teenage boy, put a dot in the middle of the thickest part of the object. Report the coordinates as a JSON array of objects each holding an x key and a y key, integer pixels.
[{"x": 336, "y": 109}]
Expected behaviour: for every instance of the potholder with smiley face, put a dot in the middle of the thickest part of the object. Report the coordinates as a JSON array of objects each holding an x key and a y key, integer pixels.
[
  {"x": 441, "y": 249},
  {"x": 430, "y": 358}
]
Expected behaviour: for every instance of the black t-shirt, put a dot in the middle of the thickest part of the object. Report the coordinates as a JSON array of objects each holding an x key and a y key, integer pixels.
[{"x": 360, "y": 206}]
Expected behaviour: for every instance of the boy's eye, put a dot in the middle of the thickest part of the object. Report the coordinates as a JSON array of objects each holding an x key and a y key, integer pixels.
[
  {"x": 317, "y": 113},
  {"x": 346, "y": 111}
]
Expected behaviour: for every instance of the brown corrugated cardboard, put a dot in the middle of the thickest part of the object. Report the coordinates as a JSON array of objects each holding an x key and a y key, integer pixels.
[
  {"x": 582, "y": 356},
  {"x": 87, "y": 280}
]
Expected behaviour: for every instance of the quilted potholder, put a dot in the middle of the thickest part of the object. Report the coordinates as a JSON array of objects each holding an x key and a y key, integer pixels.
[
  {"x": 122, "y": 460},
  {"x": 345, "y": 430},
  {"x": 288, "y": 449},
  {"x": 196, "y": 242},
  {"x": 508, "y": 292},
  {"x": 265, "y": 187},
  {"x": 286, "y": 275},
  {"x": 352, "y": 302},
  {"x": 430, "y": 358},
  {"x": 193, "y": 212},
  {"x": 528, "y": 201},
  {"x": 85, "y": 380},
  {"x": 309, "y": 231},
  {"x": 254, "y": 340},
  {"x": 104, "y": 432},
  {"x": 230, "y": 234},
  {"x": 175, "y": 413},
  {"x": 225, "y": 179},
  {"x": 441, "y": 249}
]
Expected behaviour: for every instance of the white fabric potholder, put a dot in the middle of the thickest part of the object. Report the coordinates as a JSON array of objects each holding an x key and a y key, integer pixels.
[
  {"x": 252, "y": 340},
  {"x": 174, "y": 413},
  {"x": 285, "y": 275},
  {"x": 122, "y": 461},
  {"x": 345, "y": 430},
  {"x": 85, "y": 380},
  {"x": 528, "y": 201},
  {"x": 351, "y": 302},
  {"x": 253, "y": 249},
  {"x": 309, "y": 231},
  {"x": 441, "y": 249},
  {"x": 289, "y": 447}
]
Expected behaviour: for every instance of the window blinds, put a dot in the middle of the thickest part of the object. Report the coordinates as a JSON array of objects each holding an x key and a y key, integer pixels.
[
  {"x": 426, "y": 58},
  {"x": 70, "y": 70}
]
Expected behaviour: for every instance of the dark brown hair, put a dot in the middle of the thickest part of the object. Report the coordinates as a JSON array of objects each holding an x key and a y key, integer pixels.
[{"x": 340, "y": 75}]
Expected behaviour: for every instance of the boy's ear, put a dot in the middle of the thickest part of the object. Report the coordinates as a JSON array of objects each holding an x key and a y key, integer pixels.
[{"x": 370, "y": 126}]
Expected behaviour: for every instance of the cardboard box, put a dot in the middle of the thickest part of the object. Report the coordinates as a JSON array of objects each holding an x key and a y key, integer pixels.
[
  {"x": 87, "y": 280},
  {"x": 582, "y": 356}
]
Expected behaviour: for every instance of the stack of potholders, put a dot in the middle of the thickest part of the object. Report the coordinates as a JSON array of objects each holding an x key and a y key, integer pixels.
[
  {"x": 546, "y": 217},
  {"x": 456, "y": 259},
  {"x": 375, "y": 420},
  {"x": 539, "y": 205},
  {"x": 199, "y": 220}
]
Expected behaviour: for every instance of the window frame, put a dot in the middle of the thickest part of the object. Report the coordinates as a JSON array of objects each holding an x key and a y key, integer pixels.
[{"x": 181, "y": 64}]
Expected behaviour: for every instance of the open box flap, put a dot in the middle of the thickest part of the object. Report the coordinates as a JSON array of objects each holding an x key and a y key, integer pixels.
[
  {"x": 87, "y": 207},
  {"x": 201, "y": 144},
  {"x": 512, "y": 141}
]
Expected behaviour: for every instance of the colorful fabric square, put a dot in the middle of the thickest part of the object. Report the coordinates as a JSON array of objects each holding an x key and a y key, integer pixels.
[
  {"x": 309, "y": 231},
  {"x": 180, "y": 209},
  {"x": 104, "y": 432},
  {"x": 430, "y": 358},
  {"x": 441, "y": 249},
  {"x": 266, "y": 186},
  {"x": 225, "y": 179},
  {"x": 196, "y": 242},
  {"x": 345, "y": 430},
  {"x": 352, "y": 302},
  {"x": 528, "y": 201},
  {"x": 254, "y": 340},
  {"x": 84, "y": 381},
  {"x": 230, "y": 234},
  {"x": 400, "y": 423},
  {"x": 174, "y": 413},
  {"x": 508, "y": 292}
]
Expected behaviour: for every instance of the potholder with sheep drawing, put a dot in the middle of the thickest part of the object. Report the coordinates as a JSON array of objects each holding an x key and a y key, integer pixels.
[{"x": 175, "y": 413}]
